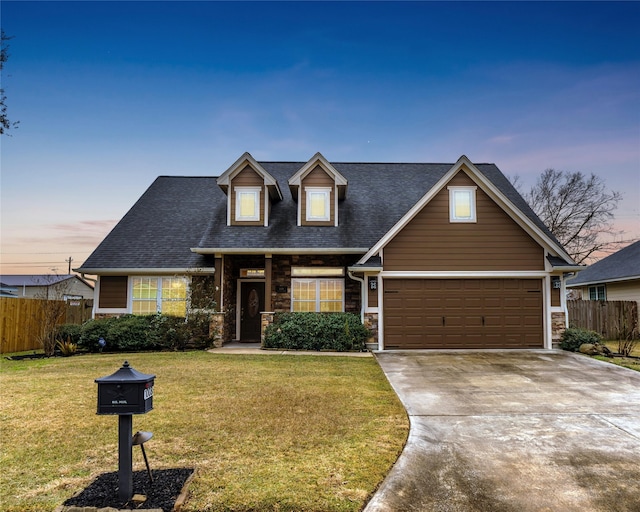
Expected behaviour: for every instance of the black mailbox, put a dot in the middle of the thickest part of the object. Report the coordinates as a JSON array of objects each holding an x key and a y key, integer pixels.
[{"x": 127, "y": 391}]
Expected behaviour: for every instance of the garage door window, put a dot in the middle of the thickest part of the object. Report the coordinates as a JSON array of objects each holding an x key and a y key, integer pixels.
[{"x": 462, "y": 204}]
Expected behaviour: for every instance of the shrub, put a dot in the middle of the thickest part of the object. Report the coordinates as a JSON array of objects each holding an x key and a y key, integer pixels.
[
  {"x": 92, "y": 330},
  {"x": 339, "y": 332},
  {"x": 152, "y": 332},
  {"x": 572, "y": 338},
  {"x": 125, "y": 333},
  {"x": 69, "y": 332}
]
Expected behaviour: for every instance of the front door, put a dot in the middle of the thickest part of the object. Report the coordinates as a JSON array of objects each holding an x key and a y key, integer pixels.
[{"x": 251, "y": 304}]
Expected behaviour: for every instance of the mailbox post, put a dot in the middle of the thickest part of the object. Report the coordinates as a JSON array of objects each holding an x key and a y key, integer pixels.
[{"x": 125, "y": 392}]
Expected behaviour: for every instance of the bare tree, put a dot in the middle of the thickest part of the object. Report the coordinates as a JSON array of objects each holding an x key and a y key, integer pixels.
[
  {"x": 53, "y": 310},
  {"x": 578, "y": 210},
  {"x": 5, "y": 123}
]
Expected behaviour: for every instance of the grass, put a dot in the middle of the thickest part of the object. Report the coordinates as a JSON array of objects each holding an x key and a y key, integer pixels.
[
  {"x": 633, "y": 364},
  {"x": 305, "y": 433}
]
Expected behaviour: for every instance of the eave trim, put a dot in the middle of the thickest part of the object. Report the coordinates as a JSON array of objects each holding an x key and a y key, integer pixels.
[
  {"x": 138, "y": 270},
  {"x": 280, "y": 250}
]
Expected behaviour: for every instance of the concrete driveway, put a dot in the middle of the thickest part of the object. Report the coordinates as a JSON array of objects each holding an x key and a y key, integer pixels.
[{"x": 516, "y": 431}]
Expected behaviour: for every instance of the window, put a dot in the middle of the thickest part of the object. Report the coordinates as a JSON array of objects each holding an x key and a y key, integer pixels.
[
  {"x": 597, "y": 292},
  {"x": 167, "y": 295},
  {"x": 462, "y": 204},
  {"x": 318, "y": 204},
  {"x": 247, "y": 204},
  {"x": 320, "y": 295}
]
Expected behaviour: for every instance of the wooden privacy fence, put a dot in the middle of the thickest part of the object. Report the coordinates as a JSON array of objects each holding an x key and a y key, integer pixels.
[
  {"x": 612, "y": 319},
  {"x": 21, "y": 321}
]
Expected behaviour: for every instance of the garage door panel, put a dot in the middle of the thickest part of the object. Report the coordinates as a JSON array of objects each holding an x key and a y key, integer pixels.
[{"x": 478, "y": 313}]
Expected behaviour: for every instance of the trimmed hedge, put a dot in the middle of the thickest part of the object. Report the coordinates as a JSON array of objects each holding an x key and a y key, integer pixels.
[
  {"x": 572, "y": 338},
  {"x": 340, "y": 332},
  {"x": 129, "y": 333}
]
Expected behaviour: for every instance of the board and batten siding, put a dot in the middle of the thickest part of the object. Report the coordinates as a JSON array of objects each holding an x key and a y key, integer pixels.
[
  {"x": 430, "y": 242},
  {"x": 247, "y": 178},
  {"x": 317, "y": 178}
]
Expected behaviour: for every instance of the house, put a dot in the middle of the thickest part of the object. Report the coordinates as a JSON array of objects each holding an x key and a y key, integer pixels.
[
  {"x": 616, "y": 277},
  {"x": 47, "y": 286},
  {"x": 8, "y": 291},
  {"x": 430, "y": 255}
]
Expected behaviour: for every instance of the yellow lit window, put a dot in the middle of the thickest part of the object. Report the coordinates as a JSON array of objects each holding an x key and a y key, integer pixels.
[
  {"x": 318, "y": 204},
  {"x": 247, "y": 204},
  {"x": 319, "y": 295},
  {"x": 462, "y": 204},
  {"x": 167, "y": 295}
]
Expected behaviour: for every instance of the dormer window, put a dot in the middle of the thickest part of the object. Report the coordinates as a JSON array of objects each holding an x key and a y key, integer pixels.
[
  {"x": 317, "y": 189},
  {"x": 462, "y": 204},
  {"x": 318, "y": 204},
  {"x": 247, "y": 203},
  {"x": 250, "y": 191}
]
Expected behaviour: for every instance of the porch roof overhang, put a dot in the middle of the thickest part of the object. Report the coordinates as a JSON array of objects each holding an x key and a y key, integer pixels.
[
  {"x": 279, "y": 250},
  {"x": 560, "y": 264}
]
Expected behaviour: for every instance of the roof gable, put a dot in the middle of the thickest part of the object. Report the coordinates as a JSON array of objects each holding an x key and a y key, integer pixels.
[
  {"x": 537, "y": 232},
  {"x": 224, "y": 181},
  {"x": 318, "y": 160}
]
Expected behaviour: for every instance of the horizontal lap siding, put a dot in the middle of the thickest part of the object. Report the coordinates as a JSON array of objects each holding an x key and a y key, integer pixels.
[
  {"x": 457, "y": 313},
  {"x": 430, "y": 242}
]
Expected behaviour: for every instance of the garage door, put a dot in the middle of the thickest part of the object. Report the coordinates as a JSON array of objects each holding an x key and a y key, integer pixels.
[{"x": 463, "y": 313}]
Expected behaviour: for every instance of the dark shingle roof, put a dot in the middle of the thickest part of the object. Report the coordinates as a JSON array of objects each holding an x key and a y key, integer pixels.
[
  {"x": 624, "y": 264},
  {"x": 179, "y": 213}
]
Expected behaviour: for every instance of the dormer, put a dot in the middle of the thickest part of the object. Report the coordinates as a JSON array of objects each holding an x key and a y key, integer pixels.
[
  {"x": 250, "y": 192},
  {"x": 317, "y": 188}
]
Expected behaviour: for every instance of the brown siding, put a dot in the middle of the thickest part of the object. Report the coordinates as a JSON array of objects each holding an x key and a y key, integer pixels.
[
  {"x": 247, "y": 178},
  {"x": 555, "y": 296},
  {"x": 430, "y": 242},
  {"x": 372, "y": 298},
  {"x": 317, "y": 178},
  {"x": 113, "y": 292}
]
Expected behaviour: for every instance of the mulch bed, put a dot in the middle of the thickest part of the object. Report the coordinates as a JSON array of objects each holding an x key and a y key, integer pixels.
[{"x": 162, "y": 493}]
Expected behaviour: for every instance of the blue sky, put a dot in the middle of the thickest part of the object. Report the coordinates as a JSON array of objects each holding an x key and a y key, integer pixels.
[{"x": 110, "y": 95}]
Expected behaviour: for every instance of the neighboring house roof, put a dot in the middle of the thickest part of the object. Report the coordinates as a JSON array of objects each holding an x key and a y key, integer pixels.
[
  {"x": 177, "y": 214},
  {"x": 20, "y": 280},
  {"x": 623, "y": 265},
  {"x": 8, "y": 291}
]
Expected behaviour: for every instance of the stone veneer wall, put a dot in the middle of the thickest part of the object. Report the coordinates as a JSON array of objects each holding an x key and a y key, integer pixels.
[
  {"x": 265, "y": 321},
  {"x": 558, "y": 325},
  {"x": 371, "y": 323}
]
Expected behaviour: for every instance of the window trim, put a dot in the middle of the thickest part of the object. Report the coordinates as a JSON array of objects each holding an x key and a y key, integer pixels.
[
  {"x": 256, "y": 191},
  {"x": 602, "y": 297},
  {"x": 453, "y": 217},
  {"x": 159, "y": 299},
  {"x": 318, "y": 301},
  {"x": 326, "y": 192}
]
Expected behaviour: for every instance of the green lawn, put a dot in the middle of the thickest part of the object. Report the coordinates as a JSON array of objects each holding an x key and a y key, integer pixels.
[
  {"x": 634, "y": 364},
  {"x": 265, "y": 432}
]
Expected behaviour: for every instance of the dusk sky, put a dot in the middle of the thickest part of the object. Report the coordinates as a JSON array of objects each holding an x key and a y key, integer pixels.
[{"x": 110, "y": 95}]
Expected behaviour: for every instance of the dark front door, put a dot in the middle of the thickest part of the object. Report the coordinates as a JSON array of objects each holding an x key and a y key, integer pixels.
[{"x": 251, "y": 304}]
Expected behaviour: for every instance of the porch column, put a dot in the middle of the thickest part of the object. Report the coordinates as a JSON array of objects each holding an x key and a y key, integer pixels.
[
  {"x": 267, "y": 282},
  {"x": 217, "y": 280}
]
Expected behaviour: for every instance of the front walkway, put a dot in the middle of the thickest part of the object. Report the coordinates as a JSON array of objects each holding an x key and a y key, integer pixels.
[{"x": 236, "y": 347}]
